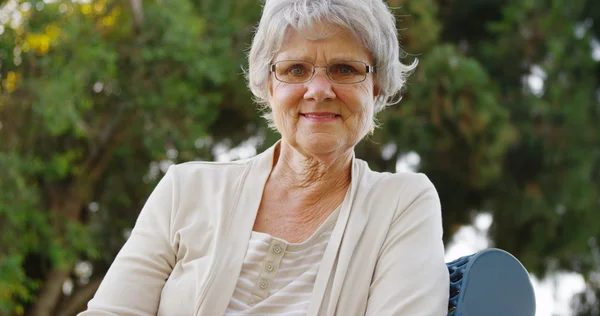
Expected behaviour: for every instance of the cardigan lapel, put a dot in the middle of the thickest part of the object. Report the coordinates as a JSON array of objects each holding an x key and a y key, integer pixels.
[
  {"x": 235, "y": 229},
  {"x": 339, "y": 250}
]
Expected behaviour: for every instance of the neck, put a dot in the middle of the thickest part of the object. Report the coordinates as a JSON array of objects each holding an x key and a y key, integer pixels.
[{"x": 310, "y": 179}]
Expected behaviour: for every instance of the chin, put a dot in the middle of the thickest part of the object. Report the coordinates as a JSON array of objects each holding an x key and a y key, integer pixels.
[{"x": 321, "y": 144}]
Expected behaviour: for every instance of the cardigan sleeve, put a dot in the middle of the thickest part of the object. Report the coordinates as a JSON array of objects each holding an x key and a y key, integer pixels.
[
  {"x": 411, "y": 277},
  {"x": 133, "y": 283}
]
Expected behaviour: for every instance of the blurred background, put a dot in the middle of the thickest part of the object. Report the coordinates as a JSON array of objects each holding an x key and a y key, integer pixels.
[{"x": 99, "y": 97}]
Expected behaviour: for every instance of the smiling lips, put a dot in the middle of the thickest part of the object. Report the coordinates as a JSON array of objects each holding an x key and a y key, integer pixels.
[{"x": 320, "y": 116}]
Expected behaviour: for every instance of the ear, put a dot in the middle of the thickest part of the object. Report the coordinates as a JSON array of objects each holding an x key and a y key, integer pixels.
[{"x": 376, "y": 91}]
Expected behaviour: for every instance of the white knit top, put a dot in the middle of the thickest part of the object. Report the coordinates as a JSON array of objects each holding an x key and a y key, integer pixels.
[{"x": 277, "y": 277}]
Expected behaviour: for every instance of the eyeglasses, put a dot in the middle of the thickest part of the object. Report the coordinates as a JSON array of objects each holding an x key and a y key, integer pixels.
[{"x": 344, "y": 72}]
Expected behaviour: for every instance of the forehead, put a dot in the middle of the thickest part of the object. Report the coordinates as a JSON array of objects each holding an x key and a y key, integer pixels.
[{"x": 324, "y": 43}]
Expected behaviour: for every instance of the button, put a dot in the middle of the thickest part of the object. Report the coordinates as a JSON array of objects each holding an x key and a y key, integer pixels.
[
  {"x": 263, "y": 284},
  {"x": 269, "y": 267},
  {"x": 277, "y": 249}
]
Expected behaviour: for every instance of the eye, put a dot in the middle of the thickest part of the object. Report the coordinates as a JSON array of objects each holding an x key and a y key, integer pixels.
[
  {"x": 343, "y": 69},
  {"x": 296, "y": 70},
  {"x": 346, "y": 69}
]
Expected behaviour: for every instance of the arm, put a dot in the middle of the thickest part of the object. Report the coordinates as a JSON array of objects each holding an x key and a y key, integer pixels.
[
  {"x": 411, "y": 277},
  {"x": 133, "y": 284}
]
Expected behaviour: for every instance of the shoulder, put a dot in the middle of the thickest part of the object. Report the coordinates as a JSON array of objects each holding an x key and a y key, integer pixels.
[
  {"x": 214, "y": 165},
  {"x": 189, "y": 181},
  {"x": 409, "y": 184},
  {"x": 197, "y": 170},
  {"x": 409, "y": 181},
  {"x": 401, "y": 191}
]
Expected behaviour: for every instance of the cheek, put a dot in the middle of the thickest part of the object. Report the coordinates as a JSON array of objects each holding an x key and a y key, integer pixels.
[
  {"x": 359, "y": 100},
  {"x": 286, "y": 96},
  {"x": 360, "y": 95},
  {"x": 362, "y": 108}
]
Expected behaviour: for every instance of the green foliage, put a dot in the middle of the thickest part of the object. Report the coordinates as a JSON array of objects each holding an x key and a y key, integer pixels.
[
  {"x": 89, "y": 99},
  {"x": 23, "y": 230},
  {"x": 15, "y": 286}
]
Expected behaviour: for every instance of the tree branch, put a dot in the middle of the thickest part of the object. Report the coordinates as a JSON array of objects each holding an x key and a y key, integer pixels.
[
  {"x": 138, "y": 14},
  {"x": 50, "y": 293},
  {"x": 78, "y": 301}
]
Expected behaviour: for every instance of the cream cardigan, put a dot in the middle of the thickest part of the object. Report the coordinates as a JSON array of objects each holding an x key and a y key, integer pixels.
[{"x": 385, "y": 255}]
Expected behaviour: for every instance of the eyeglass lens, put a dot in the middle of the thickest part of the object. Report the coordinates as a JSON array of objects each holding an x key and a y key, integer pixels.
[{"x": 294, "y": 71}]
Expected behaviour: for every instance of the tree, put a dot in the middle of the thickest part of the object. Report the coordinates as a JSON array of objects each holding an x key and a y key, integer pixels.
[
  {"x": 518, "y": 132},
  {"x": 96, "y": 99}
]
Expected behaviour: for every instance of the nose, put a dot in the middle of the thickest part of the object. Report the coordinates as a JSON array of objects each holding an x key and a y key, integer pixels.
[{"x": 319, "y": 88}]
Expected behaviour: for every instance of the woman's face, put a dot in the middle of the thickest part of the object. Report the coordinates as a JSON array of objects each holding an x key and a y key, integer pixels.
[{"x": 319, "y": 117}]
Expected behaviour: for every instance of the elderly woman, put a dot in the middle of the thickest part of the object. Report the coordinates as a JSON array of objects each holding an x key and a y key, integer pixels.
[{"x": 304, "y": 228}]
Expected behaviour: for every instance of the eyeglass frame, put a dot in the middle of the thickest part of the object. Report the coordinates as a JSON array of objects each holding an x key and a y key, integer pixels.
[{"x": 368, "y": 68}]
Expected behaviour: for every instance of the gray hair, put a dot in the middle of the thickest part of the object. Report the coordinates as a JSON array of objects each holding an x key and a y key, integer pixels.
[{"x": 369, "y": 20}]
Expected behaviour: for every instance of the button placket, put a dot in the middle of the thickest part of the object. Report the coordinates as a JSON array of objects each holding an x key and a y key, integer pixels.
[
  {"x": 269, "y": 269},
  {"x": 263, "y": 284},
  {"x": 269, "y": 266}
]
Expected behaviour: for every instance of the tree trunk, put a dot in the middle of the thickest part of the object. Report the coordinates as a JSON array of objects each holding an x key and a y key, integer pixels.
[
  {"x": 50, "y": 293},
  {"x": 79, "y": 299},
  {"x": 138, "y": 14}
]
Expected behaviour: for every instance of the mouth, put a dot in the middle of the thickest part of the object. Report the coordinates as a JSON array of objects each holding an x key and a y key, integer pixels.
[{"x": 320, "y": 115}]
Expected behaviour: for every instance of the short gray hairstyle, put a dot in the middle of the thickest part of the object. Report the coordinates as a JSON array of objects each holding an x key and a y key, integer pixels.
[{"x": 369, "y": 20}]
